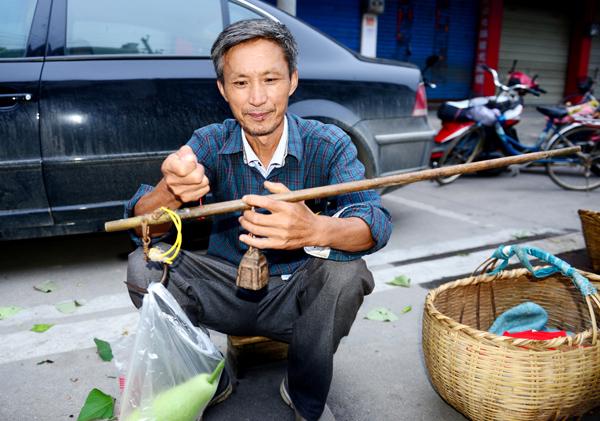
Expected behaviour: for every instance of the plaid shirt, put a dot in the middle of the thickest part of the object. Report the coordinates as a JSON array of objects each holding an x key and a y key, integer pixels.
[{"x": 318, "y": 154}]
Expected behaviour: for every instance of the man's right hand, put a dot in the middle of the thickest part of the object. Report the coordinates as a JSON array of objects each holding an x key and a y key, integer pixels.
[{"x": 184, "y": 175}]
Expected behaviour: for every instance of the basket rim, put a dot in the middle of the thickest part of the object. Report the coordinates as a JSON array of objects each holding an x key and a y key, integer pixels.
[
  {"x": 498, "y": 340},
  {"x": 588, "y": 212}
]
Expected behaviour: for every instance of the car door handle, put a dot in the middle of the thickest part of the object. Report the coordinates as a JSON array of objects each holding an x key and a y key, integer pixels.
[
  {"x": 9, "y": 100},
  {"x": 15, "y": 97}
]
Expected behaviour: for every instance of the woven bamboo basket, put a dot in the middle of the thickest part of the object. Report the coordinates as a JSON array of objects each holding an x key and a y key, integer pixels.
[
  {"x": 590, "y": 224},
  {"x": 491, "y": 377}
]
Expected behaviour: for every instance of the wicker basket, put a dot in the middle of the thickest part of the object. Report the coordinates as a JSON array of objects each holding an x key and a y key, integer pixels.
[
  {"x": 590, "y": 224},
  {"x": 490, "y": 377}
]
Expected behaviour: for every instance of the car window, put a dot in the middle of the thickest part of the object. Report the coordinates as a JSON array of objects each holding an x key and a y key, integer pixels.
[
  {"x": 237, "y": 13},
  {"x": 15, "y": 22},
  {"x": 176, "y": 27}
]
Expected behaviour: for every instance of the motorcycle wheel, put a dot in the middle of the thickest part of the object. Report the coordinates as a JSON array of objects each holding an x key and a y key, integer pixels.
[
  {"x": 461, "y": 151},
  {"x": 579, "y": 171}
]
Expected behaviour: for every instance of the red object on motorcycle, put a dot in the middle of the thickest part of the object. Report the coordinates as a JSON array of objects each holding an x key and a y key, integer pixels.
[
  {"x": 510, "y": 123},
  {"x": 452, "y": 129},
  {"x": 521, "y": 78}
]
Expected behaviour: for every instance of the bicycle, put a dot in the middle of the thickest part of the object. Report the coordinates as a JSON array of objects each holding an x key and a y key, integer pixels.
[
  {"x": 487, "y": 130},
  {"x": 580, "y": 171}
]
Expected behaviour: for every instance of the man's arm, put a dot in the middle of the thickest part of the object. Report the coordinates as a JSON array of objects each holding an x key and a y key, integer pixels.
[
  {"x": 183, "y": 181},
  {"x": 346, "y": 234},
  {"x": 292, "y": 226},
  {"x": 363, "y": 226}
]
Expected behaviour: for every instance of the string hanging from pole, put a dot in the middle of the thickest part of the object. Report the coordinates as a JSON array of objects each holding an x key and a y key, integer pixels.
[{"x": 167, "y": 257}]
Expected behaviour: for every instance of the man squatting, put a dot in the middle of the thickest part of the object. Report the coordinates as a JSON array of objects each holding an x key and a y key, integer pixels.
[{"x": 317, "y": 277}]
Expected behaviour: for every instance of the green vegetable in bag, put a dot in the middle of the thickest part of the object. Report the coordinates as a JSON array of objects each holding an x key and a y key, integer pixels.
[{"x": 184, "y": 401}]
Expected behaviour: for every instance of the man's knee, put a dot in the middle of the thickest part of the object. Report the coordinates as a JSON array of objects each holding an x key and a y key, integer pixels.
[
  {"x": 336, "y": 285},
  {"x": 350, "y": 277},
  {"x": 140, "y": 274}
]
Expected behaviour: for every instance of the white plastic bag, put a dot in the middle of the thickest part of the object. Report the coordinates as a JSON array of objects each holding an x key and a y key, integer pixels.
[
  {"x": 484, "y": 115},
  {"x": 121, "y": 349},
  {"x": 169, "y": 365}
]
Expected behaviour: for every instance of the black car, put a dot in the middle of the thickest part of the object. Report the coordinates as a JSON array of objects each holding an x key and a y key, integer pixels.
[{"x": 94, "y": 95}]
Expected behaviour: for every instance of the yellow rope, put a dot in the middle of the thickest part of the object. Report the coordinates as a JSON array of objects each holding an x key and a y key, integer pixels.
[{"x": 169, "y": 256}]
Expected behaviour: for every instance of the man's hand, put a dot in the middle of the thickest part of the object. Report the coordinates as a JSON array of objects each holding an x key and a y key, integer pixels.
[
  {"x": 184, "y": 175},
  {"x": 289, "y": 226}
]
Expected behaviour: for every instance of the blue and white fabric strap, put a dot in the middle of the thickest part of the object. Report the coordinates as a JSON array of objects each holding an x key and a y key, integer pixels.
[{"x": 504, "y": 253}]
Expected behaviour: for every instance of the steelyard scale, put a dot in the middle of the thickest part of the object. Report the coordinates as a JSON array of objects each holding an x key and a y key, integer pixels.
[{"x": 253, "y": 273}]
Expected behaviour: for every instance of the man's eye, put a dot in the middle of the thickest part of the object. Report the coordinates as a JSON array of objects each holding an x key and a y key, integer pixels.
[
  {"x": 240, "y": 83},
  {"x": 270, "y": 80}
]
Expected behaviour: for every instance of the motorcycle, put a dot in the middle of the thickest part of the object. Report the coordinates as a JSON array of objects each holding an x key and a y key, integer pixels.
[{"x": 484, "y": 127}]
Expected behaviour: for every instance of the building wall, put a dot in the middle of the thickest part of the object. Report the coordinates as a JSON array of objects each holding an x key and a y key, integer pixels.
[
  {"x": 340, "y": 19},
  {"x": 409, "y": 30},
  {"x": 412, "y": 30},
  {"x": 536, "y": 32}
]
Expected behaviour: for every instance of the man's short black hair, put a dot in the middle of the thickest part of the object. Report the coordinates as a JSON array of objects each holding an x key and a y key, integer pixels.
[{"x": 247, "y": 30}]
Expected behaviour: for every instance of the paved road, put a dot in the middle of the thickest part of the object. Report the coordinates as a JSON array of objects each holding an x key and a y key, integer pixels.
[{"x": 440, "y": 233}]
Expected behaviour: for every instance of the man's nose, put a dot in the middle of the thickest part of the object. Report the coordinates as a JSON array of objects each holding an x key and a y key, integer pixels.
[{"x": 258, "y": 95}]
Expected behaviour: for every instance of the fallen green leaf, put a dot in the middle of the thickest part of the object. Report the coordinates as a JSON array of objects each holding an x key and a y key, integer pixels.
[
  {"x": 406, "y": 309},
  {"x": 47, "y": 286},
  {"x": 104, "y": 349},
  {"x": 400, "y": 281},
  {"x": 381, "y": 314},
  {"x": 67, "y": 307},
  {"x": 41, "y": 327},
  {"x": 6, "y": 312},
  {"x": 97, "y": 406},
  {"x": 520, "y": 235}
]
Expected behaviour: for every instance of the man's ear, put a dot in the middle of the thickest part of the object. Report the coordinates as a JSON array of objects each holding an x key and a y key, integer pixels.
[
  {"x": 293, "y": 82},
  {"x": 222, "y": 90}
]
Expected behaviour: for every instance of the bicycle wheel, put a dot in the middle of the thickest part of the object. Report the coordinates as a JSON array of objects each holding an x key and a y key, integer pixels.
[
  {"x": 461, "y": 151},
  {"x": 580, "y": 171}
]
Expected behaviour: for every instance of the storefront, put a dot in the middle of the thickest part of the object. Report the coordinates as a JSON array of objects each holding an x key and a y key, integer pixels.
[
  {"x": 550, "y": 38},
  {"x": 412, "y": 30},
  {"x": 536, "y": 34}
]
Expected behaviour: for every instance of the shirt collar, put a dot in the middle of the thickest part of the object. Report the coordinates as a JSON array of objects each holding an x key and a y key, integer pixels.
[
  {"x": 294, "y": 145},
  {"x": 280, "y": 153}
]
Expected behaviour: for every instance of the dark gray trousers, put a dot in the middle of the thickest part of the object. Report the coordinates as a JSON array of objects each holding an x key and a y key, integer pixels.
[{"x": 311, "y": 311}]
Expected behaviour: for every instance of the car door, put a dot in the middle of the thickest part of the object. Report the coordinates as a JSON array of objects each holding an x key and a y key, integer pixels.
[
  {"x": 23, "y": 201},
  {"x": 124, "y": 84}
]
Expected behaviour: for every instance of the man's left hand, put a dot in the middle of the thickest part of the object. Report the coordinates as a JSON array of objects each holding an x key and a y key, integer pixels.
[{"x": 289, "y": 226}]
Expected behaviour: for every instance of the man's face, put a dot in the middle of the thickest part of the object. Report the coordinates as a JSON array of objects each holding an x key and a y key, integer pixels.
[{"x": 257, "y": 85}]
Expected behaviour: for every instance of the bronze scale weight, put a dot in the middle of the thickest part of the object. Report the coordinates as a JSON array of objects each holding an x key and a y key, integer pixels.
[{"x": 253, "y": 272}]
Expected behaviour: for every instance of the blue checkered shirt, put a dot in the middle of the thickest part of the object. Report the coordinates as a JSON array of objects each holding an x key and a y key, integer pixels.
[{"x": 318, "y": 154}]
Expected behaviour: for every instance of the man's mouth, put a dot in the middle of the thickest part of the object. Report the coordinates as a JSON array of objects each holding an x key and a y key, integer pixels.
[{"x": 258, "y": 115}]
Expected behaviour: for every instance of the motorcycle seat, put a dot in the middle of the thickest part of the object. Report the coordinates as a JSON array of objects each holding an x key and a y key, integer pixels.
[
  {"x": 553, "y": 111},
  {"x": 449, "y": 112}
]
